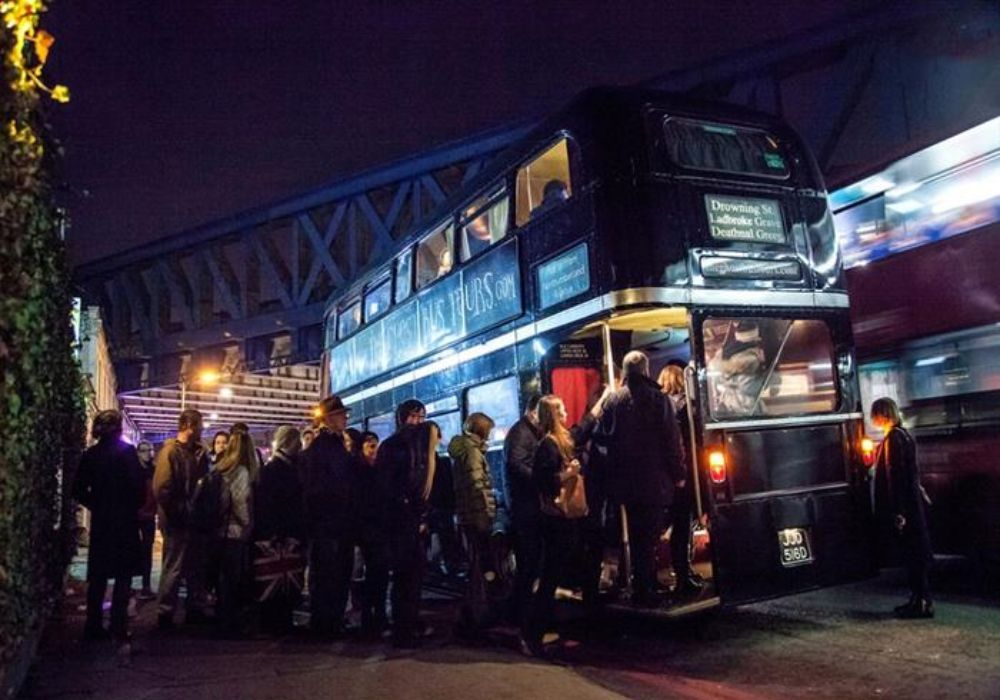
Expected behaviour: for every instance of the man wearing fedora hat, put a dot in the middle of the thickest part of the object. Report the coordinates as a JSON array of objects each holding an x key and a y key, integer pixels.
[{"x": 329, "y": 492}]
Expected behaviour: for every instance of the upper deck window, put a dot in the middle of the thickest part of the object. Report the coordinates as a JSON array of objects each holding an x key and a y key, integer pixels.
[
  {"x": 434, "y": 255},
  {"x": 404, "y": 274},
  {"x": 348, "y": 319},
  {"x": 484, "y": 223},
  {"x": 544, "y": 183},
  {"x": 760, "y": 367},
  {"x": 723, "y": 148},
  {"x": 377, "y": 299}
]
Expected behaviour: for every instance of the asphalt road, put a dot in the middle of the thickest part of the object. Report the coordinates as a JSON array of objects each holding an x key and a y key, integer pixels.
[{"x": 836, "y": 643}]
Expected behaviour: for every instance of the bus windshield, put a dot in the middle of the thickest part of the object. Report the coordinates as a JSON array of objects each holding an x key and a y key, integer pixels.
[
  {"x": 726, "y": 149},
  {"x": 766, "y": 367}
]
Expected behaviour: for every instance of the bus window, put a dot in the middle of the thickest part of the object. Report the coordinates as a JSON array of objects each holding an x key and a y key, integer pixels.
[
  {"x": 404, "y": 274},
  {"x": 484, "y": 223},
  {"x": 377, "y": 300},
  {"x": 349, "y": 319},
  {"x": 450, "y": 424},
  {"x": 383, "y": 425},
  {"x": 543, "y": 183},
  {"x": 768, "y": 367},
  {"x": 727, "y": 149},
  {"x": 434, "y": 256},
  {"x": 499, "y": 401}
]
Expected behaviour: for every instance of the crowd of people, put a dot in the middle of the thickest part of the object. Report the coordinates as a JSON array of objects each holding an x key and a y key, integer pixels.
[{"x": 243, "y": 534}]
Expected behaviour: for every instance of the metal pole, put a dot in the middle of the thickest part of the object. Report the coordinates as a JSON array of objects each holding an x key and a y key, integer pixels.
[
  {"x": 184, "y": 387},
  {"x": 625, "y": 565}
]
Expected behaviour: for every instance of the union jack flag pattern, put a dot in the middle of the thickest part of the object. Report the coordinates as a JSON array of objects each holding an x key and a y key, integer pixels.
[{"x": 278, "y": 567}]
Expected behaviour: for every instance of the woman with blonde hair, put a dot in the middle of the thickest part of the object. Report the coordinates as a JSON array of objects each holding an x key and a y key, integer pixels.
[
  {"x": 556, "y": 462},
  {"x": 237, "y": 467}
]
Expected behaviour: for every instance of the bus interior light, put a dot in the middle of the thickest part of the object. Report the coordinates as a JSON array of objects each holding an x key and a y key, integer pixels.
[{"x": 717, "y": 466}]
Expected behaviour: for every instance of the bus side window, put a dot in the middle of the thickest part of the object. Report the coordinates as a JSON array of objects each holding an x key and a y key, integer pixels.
[
  {"x": 404, "y": 275},
  {"x": 434, "y": 256},
  {"x": 484, "y": 223},
  {"x": 544, "y": 183},
  {"x": 349, "y": 319}
]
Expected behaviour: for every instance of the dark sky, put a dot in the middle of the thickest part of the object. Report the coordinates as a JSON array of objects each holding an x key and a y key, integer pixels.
[{"x": 185, "y": 112}]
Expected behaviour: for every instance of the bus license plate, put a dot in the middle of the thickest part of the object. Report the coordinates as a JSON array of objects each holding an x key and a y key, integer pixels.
[{"x": 794, "y": 546}]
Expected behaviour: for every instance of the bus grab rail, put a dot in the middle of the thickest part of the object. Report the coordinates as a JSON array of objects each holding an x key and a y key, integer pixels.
[{"x": 781, "y": 422}]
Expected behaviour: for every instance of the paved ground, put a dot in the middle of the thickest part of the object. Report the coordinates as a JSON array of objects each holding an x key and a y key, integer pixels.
[{"x": 837, "y": 643}]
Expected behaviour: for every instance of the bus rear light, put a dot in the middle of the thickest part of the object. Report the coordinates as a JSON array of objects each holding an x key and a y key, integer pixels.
[
  {"x": 868, "y": 451},
  {"x": 717, "y": 466}
]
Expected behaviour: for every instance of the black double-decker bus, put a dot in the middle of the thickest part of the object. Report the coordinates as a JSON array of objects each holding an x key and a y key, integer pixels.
[{"x": 698, "y": 233}]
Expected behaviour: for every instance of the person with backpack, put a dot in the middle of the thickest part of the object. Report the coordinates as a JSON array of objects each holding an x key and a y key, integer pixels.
[
  {"x": 181, "y": 462},
  {"x": 329, "y": 496},
  {"x": 900, "y": 507},
  {"x": 234, "y": 500}
]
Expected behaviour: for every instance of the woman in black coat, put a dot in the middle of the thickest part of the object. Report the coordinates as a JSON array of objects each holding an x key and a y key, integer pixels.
[
  {"x": 899, "y": 506},
  {"x": 110, "y": 483}
]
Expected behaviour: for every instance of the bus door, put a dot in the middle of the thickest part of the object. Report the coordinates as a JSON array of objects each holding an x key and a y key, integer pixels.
[{"x": 783, "y": 478}]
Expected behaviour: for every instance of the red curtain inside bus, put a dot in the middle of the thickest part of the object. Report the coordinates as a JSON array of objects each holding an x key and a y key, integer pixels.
[{"x": 576, "y": 386}]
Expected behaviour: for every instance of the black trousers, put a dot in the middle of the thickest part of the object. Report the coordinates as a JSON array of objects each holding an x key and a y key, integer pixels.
[
  {"x": 475, "y": 612},
  {"x": 234, "y": 582},
  {"x": 97, "y": 585},
  {"x": 645, "y": 521},
  {"x": 330, "y": 563},
  {"x": 559, "y": 543},
  {"x": 680, "y": 537},
  {"x": 376, "y": 552},
  {"x": 407, "y": 578},
  {"x": 527, "y": 543},
  {"x": 147, "y": 534}
]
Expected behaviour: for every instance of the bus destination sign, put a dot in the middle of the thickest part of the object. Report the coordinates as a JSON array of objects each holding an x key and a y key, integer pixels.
[
  {"x": 744, "y": 219},
  {"x": 564, "y": 276}
]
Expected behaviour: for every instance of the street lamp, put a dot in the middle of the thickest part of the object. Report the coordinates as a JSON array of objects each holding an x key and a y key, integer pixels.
[{"x": 205, "y": 377}]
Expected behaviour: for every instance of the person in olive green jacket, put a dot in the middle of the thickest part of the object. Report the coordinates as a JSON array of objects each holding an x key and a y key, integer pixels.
[{"x": 476, "y": 509}]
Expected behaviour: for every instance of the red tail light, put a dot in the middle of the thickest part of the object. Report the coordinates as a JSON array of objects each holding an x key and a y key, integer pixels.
[
  {"x": 868, "y": 451},
  {"x": 717, "y": 466}
]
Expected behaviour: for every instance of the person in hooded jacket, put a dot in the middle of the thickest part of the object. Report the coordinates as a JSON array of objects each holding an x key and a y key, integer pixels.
[
  {"x": 409, "y": 458},
  {"x": 278, "y": 514},
  {"x": 110, "y": 483},
  {"x": 476, "y": 510},
  {"x": 646, "y": 461}
]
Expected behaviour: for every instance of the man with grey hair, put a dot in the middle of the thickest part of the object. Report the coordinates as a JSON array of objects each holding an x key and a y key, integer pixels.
[{"x": 646, "y": 463}]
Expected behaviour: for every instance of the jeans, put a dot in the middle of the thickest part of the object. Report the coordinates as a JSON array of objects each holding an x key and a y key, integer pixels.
[
  {"x": 234, "y": 581},
  {"x": 147, "y": 533},
  {"x": 644, "y": 526},
  {"x": 183, "y": 559},
  {"x": 559, "y": 542}
]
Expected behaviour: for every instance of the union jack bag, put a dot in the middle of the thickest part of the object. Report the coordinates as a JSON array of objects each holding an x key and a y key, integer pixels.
[{"x": 278, "y": 567}]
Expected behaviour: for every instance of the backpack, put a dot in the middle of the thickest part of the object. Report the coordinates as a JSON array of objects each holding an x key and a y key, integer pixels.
[{"x": 206, "y": 504}]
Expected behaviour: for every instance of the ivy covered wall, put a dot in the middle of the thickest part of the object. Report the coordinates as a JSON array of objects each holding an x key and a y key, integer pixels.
[{"x": 41, "y": 428}]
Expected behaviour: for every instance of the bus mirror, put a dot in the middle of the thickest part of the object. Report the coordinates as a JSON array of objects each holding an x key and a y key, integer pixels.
[{"x": 717, "y": 466}]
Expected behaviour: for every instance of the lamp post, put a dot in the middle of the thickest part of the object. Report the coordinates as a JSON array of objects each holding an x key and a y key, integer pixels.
[{"x": 206, "y": 377}]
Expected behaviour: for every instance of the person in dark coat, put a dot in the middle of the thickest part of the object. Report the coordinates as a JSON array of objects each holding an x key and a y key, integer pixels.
[
  {"x": 646, "y": 463},
  {"x": 329, "y": 495},
  {"x": 278, "y": 514},
  {"x": 671, "y": 381},
  {"x": 409, "y": 458},
  {"x": 900, "y": 506},
  {"x": 147, "y": 520},
  {"x": 558, "y": 448},
  {"x": 519, "y": 456},
  {"x": 110, "y": 483},
  {"x": 373, "y": 519}
]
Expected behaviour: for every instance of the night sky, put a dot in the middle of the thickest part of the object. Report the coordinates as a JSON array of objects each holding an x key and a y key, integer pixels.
[{"x": 186, "y": 112}]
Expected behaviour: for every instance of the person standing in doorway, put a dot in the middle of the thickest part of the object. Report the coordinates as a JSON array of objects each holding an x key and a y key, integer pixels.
[
  {"x": 179, "y": 464},
  {"x": 110, "y": 484},
  {"x": 646, "y": 464},
  {"x": 147, "y": 520}
]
